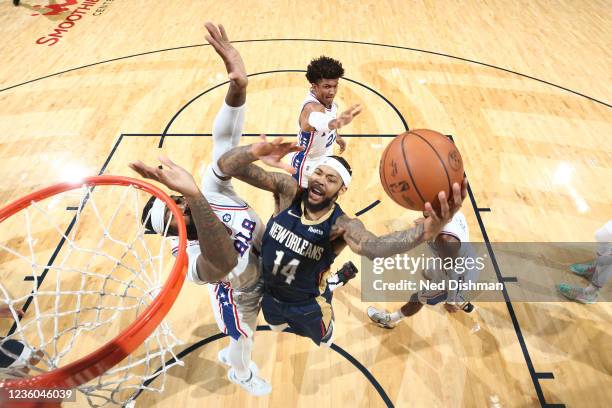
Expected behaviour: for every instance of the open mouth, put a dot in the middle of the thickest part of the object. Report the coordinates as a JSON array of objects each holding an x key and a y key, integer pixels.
[{"x": 315, "y": 193}]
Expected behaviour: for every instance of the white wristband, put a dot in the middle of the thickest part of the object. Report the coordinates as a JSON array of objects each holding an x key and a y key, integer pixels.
[{"x": 319, "y": 121}]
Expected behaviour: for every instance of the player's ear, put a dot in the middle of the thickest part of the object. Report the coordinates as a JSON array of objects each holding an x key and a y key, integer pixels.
[{"x": 342, "y": 190}]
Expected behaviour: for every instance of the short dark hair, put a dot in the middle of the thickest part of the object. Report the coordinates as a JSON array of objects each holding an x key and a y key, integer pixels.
[
  {"x": 324, "y": 68},
  {"x": 343, "y": 162}
]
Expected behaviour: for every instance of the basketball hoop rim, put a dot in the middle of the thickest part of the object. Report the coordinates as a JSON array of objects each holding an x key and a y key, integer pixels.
[{"x": 105, "y": 357}]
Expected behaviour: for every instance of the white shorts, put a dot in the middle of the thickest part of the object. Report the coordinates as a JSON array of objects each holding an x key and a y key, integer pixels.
[{"x": 236, "y": 310}]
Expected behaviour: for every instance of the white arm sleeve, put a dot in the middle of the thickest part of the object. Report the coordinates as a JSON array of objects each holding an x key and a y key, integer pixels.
[{"x": 320, "y": 121}]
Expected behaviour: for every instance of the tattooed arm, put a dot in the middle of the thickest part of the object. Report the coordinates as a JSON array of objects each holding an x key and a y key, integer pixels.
[
  {"x": 238, "y": 162},
  {"x": 215, "y": 243},
  {"x": 364, "y": 242}
]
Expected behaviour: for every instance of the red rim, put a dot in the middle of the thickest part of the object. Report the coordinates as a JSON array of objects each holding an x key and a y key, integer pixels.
[{"x": 107, "y": 356}]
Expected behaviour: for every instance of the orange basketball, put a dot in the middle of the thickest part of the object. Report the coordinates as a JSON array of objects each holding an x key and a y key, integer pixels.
[{"x": 417, "y": 165}]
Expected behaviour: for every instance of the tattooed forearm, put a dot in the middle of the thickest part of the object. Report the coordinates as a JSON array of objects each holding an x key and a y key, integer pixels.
[
  {"x": 365, "y": 243},
  {"x": 219, "y": 256},
  {"x": 234, "y": 162},
  {"x": 238, "y": 162}
]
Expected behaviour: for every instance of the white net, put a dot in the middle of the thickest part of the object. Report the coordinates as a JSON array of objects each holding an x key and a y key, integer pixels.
[{"x": 81, "y": 267}]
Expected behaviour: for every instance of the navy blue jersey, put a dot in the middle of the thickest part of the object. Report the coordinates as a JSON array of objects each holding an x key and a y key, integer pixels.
[{"x": 297, "y": 253}]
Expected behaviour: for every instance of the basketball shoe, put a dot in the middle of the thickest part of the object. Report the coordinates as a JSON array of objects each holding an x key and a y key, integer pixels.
[
  {"x": 586, "y": 270},
  {"x": 380, "y": 317},
  {"x": 577, "y": 294},
  {"x": 254, "y": 385}
]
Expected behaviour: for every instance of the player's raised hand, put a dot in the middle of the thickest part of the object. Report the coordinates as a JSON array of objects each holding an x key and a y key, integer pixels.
[
  {"x": 347, "y": 116},
  {"x": 217, "y": 37},
  {"x": 169, "y": 174},
  {"x": 272, "y": 152},
  {"x": 434, "y": 221}
]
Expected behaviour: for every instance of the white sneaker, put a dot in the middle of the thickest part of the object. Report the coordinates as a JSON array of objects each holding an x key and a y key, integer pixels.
[
  {"x": 380, "y": 317},
  {"x": 222, "y": 357},
  {"x": 254, "y": 385}
]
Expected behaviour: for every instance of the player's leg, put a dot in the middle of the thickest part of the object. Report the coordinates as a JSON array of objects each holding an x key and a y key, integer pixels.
[
  {"x": 237, "y": 318},
  {"x": 314, "y": 320},
  {"x": 273, "y": 313},
  {"x": 599, "y": 271},
  {"x": 602, "y": 274}
]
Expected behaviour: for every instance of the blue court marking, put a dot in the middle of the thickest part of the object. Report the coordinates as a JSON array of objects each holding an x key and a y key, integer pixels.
[
  {"x": 334, "y": 347},
  {"x": 545, "y": 376},
  {"x": 366, "y": 209}
]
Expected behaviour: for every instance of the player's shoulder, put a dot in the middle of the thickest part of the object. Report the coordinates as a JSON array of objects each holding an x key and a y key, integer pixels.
[{"x": 313, "y": 106}]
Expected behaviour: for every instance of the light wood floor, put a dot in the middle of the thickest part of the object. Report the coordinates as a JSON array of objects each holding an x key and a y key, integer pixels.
[{"x": 518, "y": 136}]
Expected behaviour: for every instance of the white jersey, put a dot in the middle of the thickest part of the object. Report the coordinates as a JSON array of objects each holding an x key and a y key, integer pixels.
[
  {"x": 467, "y": 272},
  {"x": 246, "y": 229},
  {"x": 317, "y": 144}
]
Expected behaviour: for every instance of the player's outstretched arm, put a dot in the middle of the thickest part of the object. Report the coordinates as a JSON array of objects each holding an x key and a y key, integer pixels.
[
  {"x": 313, "y": 116},
  {"x": 215, "y": 242},
  {"x": 364, "y": 242},
  {"x": 238, "y": 162}
]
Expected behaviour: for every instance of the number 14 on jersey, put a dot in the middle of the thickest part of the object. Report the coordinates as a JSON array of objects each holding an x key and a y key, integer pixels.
[{"x": 288, "y": 270}]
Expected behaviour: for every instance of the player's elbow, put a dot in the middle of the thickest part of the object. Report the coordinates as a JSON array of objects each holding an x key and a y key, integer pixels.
[
  {"x": 225, "y": 164},
  {"x": 214, "y": 270},
  {"x": 368, "y": 251}
]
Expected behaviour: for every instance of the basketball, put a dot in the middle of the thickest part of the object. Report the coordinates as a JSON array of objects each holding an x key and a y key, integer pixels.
[{"x": 417, "y": 165}]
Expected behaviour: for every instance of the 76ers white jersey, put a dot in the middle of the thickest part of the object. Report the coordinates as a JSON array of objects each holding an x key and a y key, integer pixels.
[
  {"x": 245, "y": 227},
  {"x": 317, "y": 144}
]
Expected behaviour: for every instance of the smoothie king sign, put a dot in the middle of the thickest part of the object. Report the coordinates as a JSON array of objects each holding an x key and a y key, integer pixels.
[{"x": 68, "y": 13}]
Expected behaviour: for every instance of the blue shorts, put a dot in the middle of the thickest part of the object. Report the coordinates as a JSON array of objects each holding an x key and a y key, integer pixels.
[{"x": 313, "y": 319}]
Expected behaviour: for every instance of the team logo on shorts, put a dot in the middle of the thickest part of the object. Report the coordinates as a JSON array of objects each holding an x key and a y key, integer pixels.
[{"x": 227, "y": 217}]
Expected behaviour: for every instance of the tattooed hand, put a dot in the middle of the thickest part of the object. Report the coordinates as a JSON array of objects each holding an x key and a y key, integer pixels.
[{"x": 169, "y": 174}]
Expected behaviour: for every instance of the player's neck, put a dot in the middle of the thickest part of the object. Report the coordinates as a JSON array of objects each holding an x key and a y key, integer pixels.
[{"x": 316, "y": 215}]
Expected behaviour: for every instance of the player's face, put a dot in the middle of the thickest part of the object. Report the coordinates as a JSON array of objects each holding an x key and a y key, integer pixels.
[
  {"x": 184, "y": 208},
  {"x": 324, "y": 186},
  {"x": 325, "y": 90}
]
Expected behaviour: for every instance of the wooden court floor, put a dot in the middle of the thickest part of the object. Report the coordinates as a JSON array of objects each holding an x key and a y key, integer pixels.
[{"x": 523, "y": 87}]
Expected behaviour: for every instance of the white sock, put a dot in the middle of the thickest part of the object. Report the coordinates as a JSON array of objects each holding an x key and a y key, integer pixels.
[
  {"x": 227, "y": 129},
  {"x": 396, "y": 316},
  {"x": 239, "y": 356}
]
